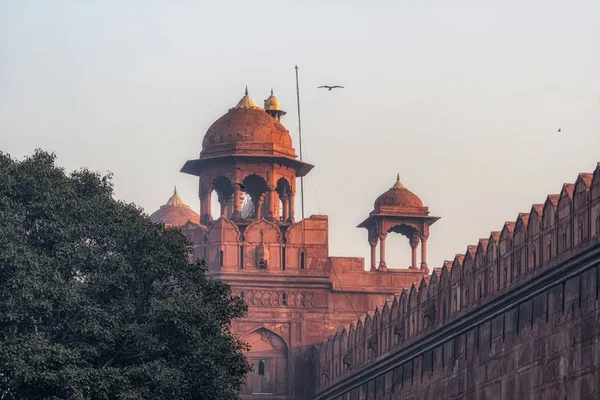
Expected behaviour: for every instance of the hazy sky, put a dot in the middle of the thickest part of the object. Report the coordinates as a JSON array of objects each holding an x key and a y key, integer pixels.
[{"x": 462, "y": 98}]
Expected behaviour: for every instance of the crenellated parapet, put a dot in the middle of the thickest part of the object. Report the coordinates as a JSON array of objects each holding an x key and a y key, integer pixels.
[{"x": 565, "y": 225}]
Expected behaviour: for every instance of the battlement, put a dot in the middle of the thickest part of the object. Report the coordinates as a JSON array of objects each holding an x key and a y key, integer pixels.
[{"x": 521, "y": 253}]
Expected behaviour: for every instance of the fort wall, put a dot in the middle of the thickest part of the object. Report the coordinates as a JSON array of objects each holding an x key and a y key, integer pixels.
[{"x": 515, "y": 316}]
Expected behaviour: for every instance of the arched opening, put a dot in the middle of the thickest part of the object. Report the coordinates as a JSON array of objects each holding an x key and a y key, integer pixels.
[
  {"x": 223, "y": 195},
  {"x": 564, "y": 241},
  {"x": 454, "y": 304},
  {"x": 397, "y": 247},
  {"x": 467, "y": 296},
  {"x": 302, "y": 260},
  {"x": 221, "y": 258},
  {"x": 215, "y": 207},
  {"x": 241, "y": 256},
  {"x": 491, "y": 283},
  {"x": 256, "y": 187},
  {"x": 549, "y": 251},
  {"x": 284, "y": 194},
  {"x": 479, "y": 294},
  {"x": 268, "y": 356},
  {"x": 533, "y": 259},
  {"x": 580, "y": 233},
  {"x": 261, "y": 368},
  {"x": 597, "y": 224},
  {"x": 284, "y": 299}
]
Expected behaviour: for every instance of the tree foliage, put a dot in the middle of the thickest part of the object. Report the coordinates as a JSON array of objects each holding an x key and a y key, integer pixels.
[{"x": 98, "y": 302}]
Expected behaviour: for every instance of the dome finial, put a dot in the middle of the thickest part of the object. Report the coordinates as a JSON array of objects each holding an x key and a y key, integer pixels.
[
  {"x": 272, "y": 92},
  {"x": 246, "y": 101},
  {"x": 398, "y": 184},
  {"x": 175, "y": 190}
]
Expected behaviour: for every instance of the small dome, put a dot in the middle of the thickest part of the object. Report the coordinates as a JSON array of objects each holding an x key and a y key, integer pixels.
[
  {"x": 272, "y": 104},
  {"x": 398, "y": 196},
  {"x": 247, "y": 129},
  {"x": 175, "y": 212}
]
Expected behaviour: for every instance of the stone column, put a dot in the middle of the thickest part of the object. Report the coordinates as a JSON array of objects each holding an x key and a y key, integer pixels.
[
  {"x": 223, "y": 204},
  {"x": 414, "y": 243},
  {"x": 373, "y": 244},
  {"x": 237, "y": 197},
  {"x": 272, "y": 207},
  {"x": 258, "y": 206},
  {"x": 382, "y": 264},
  {"x": 291, "y": 208},
  {"x": 424, "y": 253},
  {"x": 286, "y": 210},
  {"x": 205, "y": 205}
]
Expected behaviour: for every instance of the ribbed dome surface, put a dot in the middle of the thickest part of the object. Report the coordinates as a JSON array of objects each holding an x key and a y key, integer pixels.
[
  {"x": 398, "y": 196},
  {"x": 175, "y": 212}
]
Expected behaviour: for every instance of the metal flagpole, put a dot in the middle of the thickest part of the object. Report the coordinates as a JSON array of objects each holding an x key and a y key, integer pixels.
[{"x": 300, "y": 137}]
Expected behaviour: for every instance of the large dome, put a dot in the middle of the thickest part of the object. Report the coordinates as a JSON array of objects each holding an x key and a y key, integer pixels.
[
  {"x": 247, "y": 129},
  {"x": 398, "y": 196},
  {"x": 175, "y": 212}
]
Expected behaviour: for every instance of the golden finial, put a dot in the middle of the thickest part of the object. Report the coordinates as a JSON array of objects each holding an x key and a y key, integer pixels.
[
  {"x": 271, "y": 91},
  {"x": 175, "y": 190},
  {"x": 398, "y": 184},
  {"x": 246, "y": 101}
]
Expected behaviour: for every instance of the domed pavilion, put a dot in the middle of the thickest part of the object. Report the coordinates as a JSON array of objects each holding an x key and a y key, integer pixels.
[{"x": 401, "y": 211}]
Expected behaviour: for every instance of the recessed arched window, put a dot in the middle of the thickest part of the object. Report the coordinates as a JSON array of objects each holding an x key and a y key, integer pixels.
[
  {"x": 454, "y": 304},
  {"x": 564, "y": 241},
  {"x": 221, "y": 258},
  {"x": 261, "y": 367},
  {"x": 580, "y": 234},
  {"x": 467, "y": 296},
  {"x": 598, "y": 225},
  {"x": 549, "y": 251},
  {"x": 283, "y": 258},
  {"x": 241, "y": 257},
  {"x": 533, "y": 260},
  {"x": 302, "y": 260},
  {"x": 479, "y": 294}
]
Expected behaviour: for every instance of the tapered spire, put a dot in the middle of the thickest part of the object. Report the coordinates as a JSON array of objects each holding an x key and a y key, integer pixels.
[
  {"x": 398, "y": 184},
  {"x": 246, "y": 101}
]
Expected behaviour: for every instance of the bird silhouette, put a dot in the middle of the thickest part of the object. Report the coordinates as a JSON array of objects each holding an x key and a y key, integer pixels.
[
  {"x": 330, "y": 87},
  {"x": 559, "y": 130}
]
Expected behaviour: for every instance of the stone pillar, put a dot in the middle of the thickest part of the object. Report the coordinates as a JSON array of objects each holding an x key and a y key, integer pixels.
[
  {"x": 223, "y": 204},
  {"x": 373, "y": 244},
  {"x": 382, "y": 264},
  {"x": 414, "y": 243},
  {"x": 205, "y": 205},
  {"x": 286, "y": 207},
  {"x": 237, "y": 197},
  {"x": 291, "y": 208},
  {"x": 272, "y": 207},
  {"x": 258, "y": 206},
  {"x": 424, "y": 253}
]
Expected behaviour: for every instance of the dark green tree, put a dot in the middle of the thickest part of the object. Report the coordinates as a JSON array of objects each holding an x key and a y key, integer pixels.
[{"x": 98, "y": 302}]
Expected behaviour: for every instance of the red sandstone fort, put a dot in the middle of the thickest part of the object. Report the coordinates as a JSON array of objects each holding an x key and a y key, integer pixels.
[{"x": 515, "y": 317}]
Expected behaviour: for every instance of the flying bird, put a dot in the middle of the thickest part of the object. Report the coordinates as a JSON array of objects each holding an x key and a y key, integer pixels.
[
  {"x": 330, "y": 87},
  {"x": 559, "y": 130}
]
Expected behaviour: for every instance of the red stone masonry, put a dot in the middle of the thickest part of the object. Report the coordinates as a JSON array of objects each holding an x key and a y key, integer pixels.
[{"x": 547, "y": 347}]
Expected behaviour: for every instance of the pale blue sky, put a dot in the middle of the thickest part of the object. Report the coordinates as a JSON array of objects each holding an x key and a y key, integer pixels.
[{"x": 463, "y": 98}]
